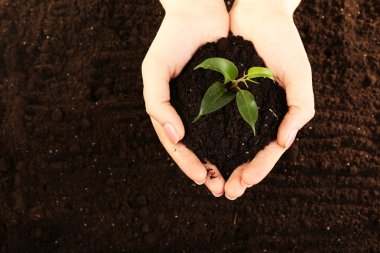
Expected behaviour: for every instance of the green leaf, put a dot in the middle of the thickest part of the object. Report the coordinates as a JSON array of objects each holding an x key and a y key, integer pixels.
[
  {"x": 255, "y": 72},
  {"x": 247, "y": 107},
  {"x": 215, "y": 98},
  {"x": 221, "y": 65}
]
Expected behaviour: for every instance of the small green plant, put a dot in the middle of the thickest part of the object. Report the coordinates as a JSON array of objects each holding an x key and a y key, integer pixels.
[{"x": 220, "y": 94}]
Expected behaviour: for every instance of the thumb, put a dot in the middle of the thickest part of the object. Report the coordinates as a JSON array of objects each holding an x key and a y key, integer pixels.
[{"x": 156, "y": 80}]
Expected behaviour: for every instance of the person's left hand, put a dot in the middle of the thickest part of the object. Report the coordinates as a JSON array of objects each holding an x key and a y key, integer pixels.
[{"x": 269, "y": 25}]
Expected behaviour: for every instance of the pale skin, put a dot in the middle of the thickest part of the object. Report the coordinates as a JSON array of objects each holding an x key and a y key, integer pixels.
[{"x": 189, "y": 24}]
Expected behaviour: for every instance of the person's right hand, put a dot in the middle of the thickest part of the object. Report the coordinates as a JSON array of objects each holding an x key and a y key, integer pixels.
[
  {"x": 188, "y": 24},
  {"x": 269, "y": 25}
]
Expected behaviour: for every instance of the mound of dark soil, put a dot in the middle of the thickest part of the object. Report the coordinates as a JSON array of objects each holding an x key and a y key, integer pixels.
[{"x": 223, "y": 137}]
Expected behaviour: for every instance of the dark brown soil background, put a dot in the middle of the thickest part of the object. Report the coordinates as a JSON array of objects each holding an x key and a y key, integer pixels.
[
  {"x": 81, "y": 169},
  {"x": 223, "y": 137}
]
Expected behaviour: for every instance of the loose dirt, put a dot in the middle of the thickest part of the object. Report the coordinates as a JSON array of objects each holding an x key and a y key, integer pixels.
[{"x": 81, "y": 169}]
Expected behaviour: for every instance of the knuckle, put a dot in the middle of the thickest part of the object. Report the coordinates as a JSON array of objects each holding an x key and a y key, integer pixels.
[
  {"x": 303, "y": 114},
  {"x": 144, "y": 65},
  {"x": 149, "y": 109},
  {"x": 199, "y": 179},
  {"x": 248, "y": 179},
  {"x": 231, "y": 194},
  {"x": 147, "y": 64},
  {"x": 233, "y": 191},
  {"x": 228, "y": 187},
  {"x": 216, "y": 188},
  {"x": 264, "y": 154},
  {"x": 309, "y": 113}
]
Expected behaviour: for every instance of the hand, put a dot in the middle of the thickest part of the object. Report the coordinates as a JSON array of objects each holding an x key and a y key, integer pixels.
[
  {"x": 188, "y": 24},
  {"x": 269, "y": 25}
]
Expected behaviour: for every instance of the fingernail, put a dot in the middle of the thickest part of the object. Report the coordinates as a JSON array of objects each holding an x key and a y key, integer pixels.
[
  {"x": 217, "y": 194},
  {"x": 230, "y": 198},
  {"x": 244, "y": 184},
  {"x": 170, "y": 131},
  {"x": 291, "y": 138},
  {"x": 200, "y": 182}
]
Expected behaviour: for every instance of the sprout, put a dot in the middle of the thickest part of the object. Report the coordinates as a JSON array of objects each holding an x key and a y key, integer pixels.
[{"x": 220, "y": 94}]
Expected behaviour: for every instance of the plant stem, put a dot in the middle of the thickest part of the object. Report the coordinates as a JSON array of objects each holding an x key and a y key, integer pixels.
[
  {"x": 235, "y": 84},
  {"x": 244, "y": 79}
]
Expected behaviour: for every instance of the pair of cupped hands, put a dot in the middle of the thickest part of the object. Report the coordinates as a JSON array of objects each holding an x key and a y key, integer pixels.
[{"x": 189, "y": 24}]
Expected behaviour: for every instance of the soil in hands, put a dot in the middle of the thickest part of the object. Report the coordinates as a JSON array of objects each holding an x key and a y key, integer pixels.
[{"x": 223, "y": 137}]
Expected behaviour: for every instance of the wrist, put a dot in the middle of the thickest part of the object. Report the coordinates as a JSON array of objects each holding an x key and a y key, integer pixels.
[
  {"x": 192, "y": 6},
  {"x": 264, "y": 7}
]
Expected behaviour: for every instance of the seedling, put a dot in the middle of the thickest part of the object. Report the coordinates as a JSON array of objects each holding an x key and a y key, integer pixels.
[{"x": 220, "y": 94}]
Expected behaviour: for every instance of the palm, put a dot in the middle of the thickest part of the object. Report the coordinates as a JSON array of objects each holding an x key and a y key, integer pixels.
[{"x": 180, "y": 36}]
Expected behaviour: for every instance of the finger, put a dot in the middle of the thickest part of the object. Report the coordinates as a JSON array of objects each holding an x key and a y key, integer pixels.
[
  {"x": 297, "y": 81},
  {"x": 284, "y": 53},
  {"x": 215, "y": 181},
  {"x": 292, "y": 68},
  {"x": 186, "y": 160},
  {"x": 165, "y": 59},
  {"x": 233, "y": 187},
  {"x": 294, "y": 120},
  {"x": 171, "y": 49},
  {"x": 157, "y": 96},
  {"x": 261, "y": 165}
]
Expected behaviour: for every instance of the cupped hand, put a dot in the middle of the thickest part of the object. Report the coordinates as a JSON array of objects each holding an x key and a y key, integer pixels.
[
  {"x": 269, "y": 25},
  {"x": 187, "y": 25}
]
